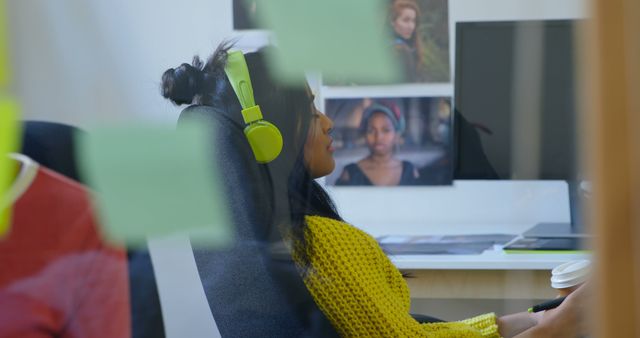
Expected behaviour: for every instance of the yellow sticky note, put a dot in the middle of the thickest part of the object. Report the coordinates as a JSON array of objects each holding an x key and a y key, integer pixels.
[{"x": 9, "y": 142}]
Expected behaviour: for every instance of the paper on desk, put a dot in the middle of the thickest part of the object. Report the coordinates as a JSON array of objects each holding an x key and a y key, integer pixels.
[
  {"x": 9, "y": 143},
  {"x": 442, "y": 245},
  {"x": 334, "y": 37},
  {"x": 156, "y": 181}
]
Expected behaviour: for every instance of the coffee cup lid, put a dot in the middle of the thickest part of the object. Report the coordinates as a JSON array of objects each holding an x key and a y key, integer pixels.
[{"x": 570, "y": 274}]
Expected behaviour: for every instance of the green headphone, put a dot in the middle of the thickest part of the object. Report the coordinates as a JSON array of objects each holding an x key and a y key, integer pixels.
[{"x": 264, "y": 138}]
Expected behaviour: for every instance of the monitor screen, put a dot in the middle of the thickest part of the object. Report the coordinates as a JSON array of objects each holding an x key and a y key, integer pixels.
[
  {"x": 515, "y": 102},
  {"x": 508, "y": 68}
]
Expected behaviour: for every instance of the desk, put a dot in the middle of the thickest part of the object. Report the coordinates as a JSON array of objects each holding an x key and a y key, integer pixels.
[
  {"x": 453, "y": 287},
  {"x": 466, "y": 207},
  {"x": 490, "y": 275},
  {"x": 457, "y": 283}
]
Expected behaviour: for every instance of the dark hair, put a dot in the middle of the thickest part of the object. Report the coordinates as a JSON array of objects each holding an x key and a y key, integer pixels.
[
  {"x": 288, "y": 107},
  {"x": 185, "y": 84}
]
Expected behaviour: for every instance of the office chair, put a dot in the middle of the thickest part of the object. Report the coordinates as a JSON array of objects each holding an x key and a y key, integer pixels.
[
  {"x": 52, "y": 145},
  {"x": 249, "y": 293}
]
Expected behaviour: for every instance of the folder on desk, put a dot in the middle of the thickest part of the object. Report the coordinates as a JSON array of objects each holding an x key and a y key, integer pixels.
[
  {"x": 549, "y": 238},
  {"x": 544, "y": 245}
]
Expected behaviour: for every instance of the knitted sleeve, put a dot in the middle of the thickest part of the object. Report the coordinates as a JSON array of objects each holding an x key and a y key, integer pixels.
[{"x": 363, "y": 294}]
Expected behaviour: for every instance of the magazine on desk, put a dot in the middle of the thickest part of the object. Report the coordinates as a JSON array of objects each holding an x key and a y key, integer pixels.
[{"x": 442, "y": 245}]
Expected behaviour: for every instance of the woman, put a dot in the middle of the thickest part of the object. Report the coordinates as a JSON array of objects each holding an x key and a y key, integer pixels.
[
  {"x": 349, "y": 276},
  {"x": 404, "y": 18},
  {"x": 382, "y": 126}
]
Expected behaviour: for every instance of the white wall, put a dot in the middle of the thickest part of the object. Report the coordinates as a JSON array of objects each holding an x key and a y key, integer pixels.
[{"x": 84, "y": 61}]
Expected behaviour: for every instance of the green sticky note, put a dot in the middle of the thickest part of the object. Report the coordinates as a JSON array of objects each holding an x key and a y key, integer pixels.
[
  {"x": 343, "y": 39},
  {"x": 9, "y": 142},
  {"x": 156, "y": 181}
]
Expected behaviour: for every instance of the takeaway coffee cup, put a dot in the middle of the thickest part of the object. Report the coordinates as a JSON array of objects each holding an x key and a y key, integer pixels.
[{"x": 569, "y": 276}]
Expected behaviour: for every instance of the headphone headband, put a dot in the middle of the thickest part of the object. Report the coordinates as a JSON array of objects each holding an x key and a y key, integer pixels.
[
  {"x": 238, "y": 74},
  {"x": 264, "y": 138}
]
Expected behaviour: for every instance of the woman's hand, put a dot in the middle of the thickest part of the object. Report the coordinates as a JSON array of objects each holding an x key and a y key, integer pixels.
[
  {"x": 565, "y": 321},
  {"x": 513, "y": 324}
]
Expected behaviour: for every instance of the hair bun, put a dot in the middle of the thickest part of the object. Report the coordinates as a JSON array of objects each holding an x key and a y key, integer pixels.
[{"x": 181, "y": 85}]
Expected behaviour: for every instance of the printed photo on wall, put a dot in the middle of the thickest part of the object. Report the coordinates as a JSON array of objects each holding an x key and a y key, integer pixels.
[
  {"x": 418, "y": 33},
  {"x": 401, "y": 141},
  {"x": 420, "y": 30}
]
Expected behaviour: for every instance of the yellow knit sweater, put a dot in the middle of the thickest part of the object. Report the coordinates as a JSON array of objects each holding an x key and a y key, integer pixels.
[{"x": 361, "y": 291}]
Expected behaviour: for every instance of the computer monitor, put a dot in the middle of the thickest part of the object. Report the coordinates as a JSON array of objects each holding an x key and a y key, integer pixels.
[{"x": 489, "y": 56}]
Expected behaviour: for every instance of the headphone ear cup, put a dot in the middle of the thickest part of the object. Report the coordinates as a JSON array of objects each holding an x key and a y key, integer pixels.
[{"x": 265, "y": 140}]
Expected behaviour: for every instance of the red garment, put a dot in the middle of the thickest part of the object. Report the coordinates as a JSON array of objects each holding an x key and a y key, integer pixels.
[{"x": 58, "y": 278}]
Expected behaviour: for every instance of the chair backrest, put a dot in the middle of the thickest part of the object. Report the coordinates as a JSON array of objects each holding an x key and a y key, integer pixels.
[
  {"x": 249, "y": 292},
  {"x": 185, "y": 309}
]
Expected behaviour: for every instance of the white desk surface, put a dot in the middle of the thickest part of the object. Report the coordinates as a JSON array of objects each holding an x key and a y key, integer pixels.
[
  {"x": 465, "y": 208},
  {"x": 489, "y": 260}
]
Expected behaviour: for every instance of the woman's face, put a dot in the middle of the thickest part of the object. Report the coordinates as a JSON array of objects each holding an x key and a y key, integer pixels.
[
  {"x": 381, "y": 134},
  {"x": 405, "y": 23},
  {"x": 318, "y": 150}
]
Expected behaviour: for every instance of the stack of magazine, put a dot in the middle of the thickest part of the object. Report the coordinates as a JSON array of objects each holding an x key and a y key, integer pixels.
[{"x": 442, "y": 245}]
